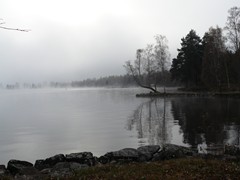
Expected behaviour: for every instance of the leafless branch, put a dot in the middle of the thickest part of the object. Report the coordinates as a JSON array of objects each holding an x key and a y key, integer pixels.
[{"x": 13, "y": 29}]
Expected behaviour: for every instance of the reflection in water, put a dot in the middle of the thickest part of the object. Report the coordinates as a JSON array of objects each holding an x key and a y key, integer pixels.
[
  {"x": 152, "y": 120},
  {"x": 205, "y": 123}
]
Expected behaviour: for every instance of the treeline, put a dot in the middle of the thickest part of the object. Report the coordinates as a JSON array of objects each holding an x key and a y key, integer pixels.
[
  {"x": 110, "y": 81},
  {"x": 118, "y": 81},
  {"x": 213, "y": 61}
]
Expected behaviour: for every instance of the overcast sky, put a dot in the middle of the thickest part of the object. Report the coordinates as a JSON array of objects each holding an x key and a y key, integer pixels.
[{"x": 78, "y": 39}]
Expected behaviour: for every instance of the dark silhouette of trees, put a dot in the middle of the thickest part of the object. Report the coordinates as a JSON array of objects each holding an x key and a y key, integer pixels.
[
  {"x": 187, "y": 66},
  {"x": 150, "y": 64},
  {"x": 210, "y": 63},
  {"x": 215, "y": 70},
  {"x": 110, "y": 81}
]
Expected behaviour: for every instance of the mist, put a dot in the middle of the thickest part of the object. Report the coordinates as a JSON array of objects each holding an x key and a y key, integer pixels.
[{"x": 75, "y": 40}]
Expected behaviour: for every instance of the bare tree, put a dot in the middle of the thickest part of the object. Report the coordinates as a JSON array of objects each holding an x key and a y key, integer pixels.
[
  {"x": 149, "y": 63},
  {"x": 2, "y": 26},
  {"x": 162, "y": 55},
  {"x": 233, "y": 28}
]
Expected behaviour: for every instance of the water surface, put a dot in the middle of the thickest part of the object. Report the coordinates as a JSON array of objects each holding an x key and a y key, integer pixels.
[{"x": 39, "y": 123}]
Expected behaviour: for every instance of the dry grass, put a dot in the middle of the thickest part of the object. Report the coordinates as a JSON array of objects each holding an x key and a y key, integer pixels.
[{"x": 171, "y": 169}]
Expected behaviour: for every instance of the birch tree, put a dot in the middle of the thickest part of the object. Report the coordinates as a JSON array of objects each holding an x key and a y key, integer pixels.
[
  {"x": 233, "y": 28},
  {"x": 150, "y": 63}
]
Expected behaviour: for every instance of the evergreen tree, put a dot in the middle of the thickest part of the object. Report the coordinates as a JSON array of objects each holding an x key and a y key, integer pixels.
[{"x": 187, "y": 66}]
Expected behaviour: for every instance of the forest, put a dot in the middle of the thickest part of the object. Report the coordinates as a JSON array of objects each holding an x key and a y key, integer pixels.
[{"x": 208, "y": 63}]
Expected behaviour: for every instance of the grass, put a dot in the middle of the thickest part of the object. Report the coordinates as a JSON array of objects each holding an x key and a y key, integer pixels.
[{"x": 172, "y": 169}]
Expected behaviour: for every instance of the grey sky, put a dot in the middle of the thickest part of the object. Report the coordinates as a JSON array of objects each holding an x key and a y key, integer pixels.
[{"x": 77, "y": 39}]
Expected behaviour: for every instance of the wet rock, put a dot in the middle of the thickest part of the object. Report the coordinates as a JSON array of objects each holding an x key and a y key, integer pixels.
[
  {"x": 232, "y": 150},
  {"x": 171, "y": 151},
  {"x": 21, "y": 168},
  {"x": 82, "y": 158}
]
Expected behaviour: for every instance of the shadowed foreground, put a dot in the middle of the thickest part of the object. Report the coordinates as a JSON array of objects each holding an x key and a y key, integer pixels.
[
  {"x": 192, "y": 168},
  {"x": 147, "y": 162}
]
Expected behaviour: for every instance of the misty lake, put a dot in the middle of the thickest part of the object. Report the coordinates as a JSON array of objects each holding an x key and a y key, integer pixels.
[{"x": 39, "y": 123}]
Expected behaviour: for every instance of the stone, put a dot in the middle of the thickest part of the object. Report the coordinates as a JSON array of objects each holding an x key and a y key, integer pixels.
[
  {"x": 152, "y": 149},
  {"x": 66, "y": 169},
  {"x": 3, "y": 170},
  {"x": 46, "y": 171},
  {"x": 40, "y": 164},
  {"x": 146, "y": 152},
  {"x": 123, "y": 155},
  {"x": 104, "y": 159},
  {"x": 232, "y": 150},
  {"x": 69, "y": 165},
  {"x": 126, "y": 153},
  {"x": 49, "y": 162},
  {"x": 21, "y": 168},
  {"x": 55, "y": 159},
  {"x": 82, "y": 158},
  {"x": 171, "y": 151}
]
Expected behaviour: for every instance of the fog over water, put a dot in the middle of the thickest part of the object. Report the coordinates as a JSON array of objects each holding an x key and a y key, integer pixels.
[
  {"x": 39, "y": 123},
  {"x": 76, "y": 39}
]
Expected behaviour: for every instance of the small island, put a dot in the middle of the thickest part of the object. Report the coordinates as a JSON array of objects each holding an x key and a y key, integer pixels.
[{"x": 204, "y": 66}]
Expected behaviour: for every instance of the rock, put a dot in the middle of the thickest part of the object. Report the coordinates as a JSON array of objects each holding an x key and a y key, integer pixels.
[
  {"x": 104, "y": 159},
  {"x": 152, "y": 149},
  {"x": 55, "y": 159},
  {"x": 3, "y": 170},
  {"x": 46, "y": 171},
  {"x": 21, "y": 167},
  {"x": 69, "y": 165},
  {"x": 170, "y": 151},
  {"x": 142, "y": 154},
  {"x": 82, "y": 158},
  {"x": 127, "y": 153},
  {"x": 123, "y": 155},
  {"x": 49, "y": 162},
  {"x": 146, "y": 152},
  {"x": 66, "y": 169},
  {"x": 232, "y": 150},
  {"x": 40, "y": 164}
]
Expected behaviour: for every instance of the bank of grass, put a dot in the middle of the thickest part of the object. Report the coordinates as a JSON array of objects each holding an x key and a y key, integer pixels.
[{"x": 193, "y": 168}]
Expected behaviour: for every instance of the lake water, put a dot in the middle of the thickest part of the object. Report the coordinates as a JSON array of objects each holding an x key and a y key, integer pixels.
[{"x": 39, "y": 123}]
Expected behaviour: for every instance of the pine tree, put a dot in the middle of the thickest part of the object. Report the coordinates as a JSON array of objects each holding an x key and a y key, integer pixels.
[{"x": 187, "y": 66}]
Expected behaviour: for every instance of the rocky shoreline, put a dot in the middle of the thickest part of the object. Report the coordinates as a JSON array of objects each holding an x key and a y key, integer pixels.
[{"x": 66, "y": 165}]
